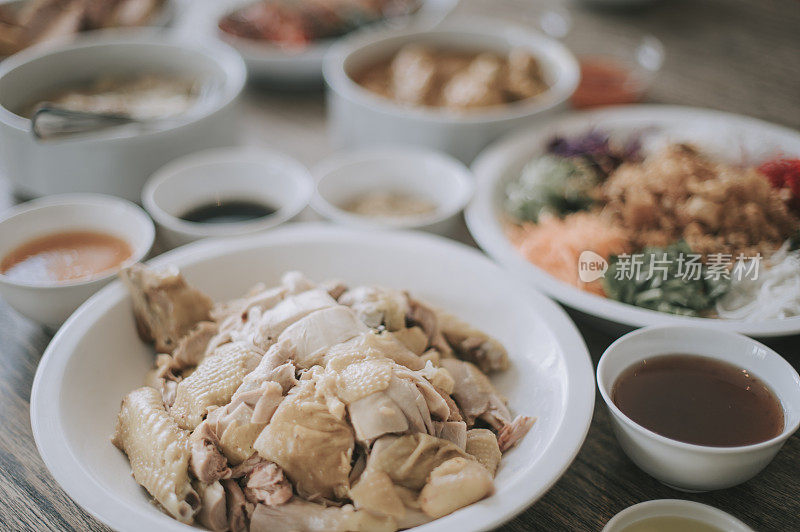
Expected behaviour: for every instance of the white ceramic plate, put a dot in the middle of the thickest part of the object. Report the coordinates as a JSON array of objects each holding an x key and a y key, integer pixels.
[
  {"x": 727, "y": 136},
  {"x": 275, "y": 65},
  {"x": 96, "y": 358}
]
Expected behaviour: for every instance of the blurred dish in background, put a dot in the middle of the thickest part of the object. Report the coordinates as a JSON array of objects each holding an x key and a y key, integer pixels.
[
  {"x": 646, "y": 215},
  {"x": 116, "y": 160},
  {"x": 360, "y": 118},
  {"x": 294, "y": 24},
  {"x": 24, "y": 23},
  {"x": 616, "y": 68},
  {"x": 455, "y": 79},
  {"x": 287, "y": 51}
]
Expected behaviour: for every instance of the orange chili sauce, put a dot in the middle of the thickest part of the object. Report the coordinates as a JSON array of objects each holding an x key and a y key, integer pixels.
[{"x": 65, "y": 256}]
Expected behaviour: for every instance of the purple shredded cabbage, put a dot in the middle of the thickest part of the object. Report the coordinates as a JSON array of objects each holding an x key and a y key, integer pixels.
[{"x": 597, "y": 149}]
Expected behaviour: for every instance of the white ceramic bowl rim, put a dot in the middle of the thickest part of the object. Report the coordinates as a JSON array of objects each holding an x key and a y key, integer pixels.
[
  {"x": 297, "y": 173},
  {"x": 483, "y": 225},
  {"x": 673, "y": 508},
  {"x": 224, "y": 56},
  {"x": 578, "y": 394},
  {"x": 547, "y": 50},
  {"x": 340, "y": 161},
  {"x": 87, "y": 200},
  {"x": 787, "y": 431}
]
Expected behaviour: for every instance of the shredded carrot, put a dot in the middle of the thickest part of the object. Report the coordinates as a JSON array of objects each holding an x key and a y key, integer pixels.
[{"x": 555, "y": 244}]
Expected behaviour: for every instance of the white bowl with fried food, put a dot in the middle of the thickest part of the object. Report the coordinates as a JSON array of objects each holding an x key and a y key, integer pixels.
[
  {"x": 732, "y": 139},
  {"x": 550, "y": 376},
  {"x": 361, "y": 118}
]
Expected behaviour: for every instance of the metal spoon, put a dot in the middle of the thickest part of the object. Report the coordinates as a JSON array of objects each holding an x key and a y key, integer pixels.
[{"x": 51, "y": 122}]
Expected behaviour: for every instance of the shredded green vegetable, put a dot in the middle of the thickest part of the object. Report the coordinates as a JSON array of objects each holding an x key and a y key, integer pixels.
[
  {"x": 664, "y": 281},
  {"x": 550, "y": 184}
]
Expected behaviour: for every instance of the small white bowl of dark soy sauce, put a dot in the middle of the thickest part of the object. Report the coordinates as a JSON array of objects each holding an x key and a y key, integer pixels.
[
  {"x": 225, "y": 192},
  {"x": 698, "y": 409}
]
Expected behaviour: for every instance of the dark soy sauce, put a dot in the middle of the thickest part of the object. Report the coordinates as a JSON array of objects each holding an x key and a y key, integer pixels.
[
  {"x": 227, "y": 211},
  {"x": 699, "y": 400}
]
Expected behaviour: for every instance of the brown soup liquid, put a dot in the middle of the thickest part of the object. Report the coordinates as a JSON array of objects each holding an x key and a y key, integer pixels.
[
  {"x": 65, "y": 256},
  {"x": 698, "y": 400}
]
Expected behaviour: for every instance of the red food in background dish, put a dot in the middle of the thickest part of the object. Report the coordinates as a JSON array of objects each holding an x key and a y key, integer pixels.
[
  {"x": 606, "y": 81},
  {"x": 297, "y": 23},
  {"x": 784, "y": 174}
]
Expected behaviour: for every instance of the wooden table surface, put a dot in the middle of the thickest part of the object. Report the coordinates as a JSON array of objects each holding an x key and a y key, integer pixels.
[{"x": 735, "y": 55}]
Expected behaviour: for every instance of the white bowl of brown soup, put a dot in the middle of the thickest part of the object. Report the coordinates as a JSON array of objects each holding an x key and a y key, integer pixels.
[
  {"x": 698, "y": 409},
  {"x": 57, "y": 251},
  {"x": 453, "y": 89}
]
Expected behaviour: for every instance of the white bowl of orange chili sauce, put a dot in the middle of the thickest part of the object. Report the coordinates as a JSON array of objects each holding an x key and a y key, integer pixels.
[
  {"x": 698, "y": 409},
  {"x": 55, "y": 252}
]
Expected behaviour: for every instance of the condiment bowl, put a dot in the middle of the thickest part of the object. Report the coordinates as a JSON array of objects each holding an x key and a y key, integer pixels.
[
  {"x": 687, "y": 466},
  {"x": 675, "y": 508},
  {"x": 269, "y": 177},
  {"x": 50, "y": 303},
  {"x": 119, "y": 160},
  {"x": 360, "y": 118},
  {"x": 426, "y": 174}
]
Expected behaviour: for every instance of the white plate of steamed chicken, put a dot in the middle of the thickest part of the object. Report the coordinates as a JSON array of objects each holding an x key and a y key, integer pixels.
[{"x": 397, "y": 382}]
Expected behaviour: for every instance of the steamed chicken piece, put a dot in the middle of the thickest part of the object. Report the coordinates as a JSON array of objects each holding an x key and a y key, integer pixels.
[
  {"x": 158, "y": 450},
  {"x": 311, "y": 336},
  {"x": 206, "y": 463},
  {"x": 454, "y": 484},
  {"x": 164, "y": 305},
  {"x": 213, "y": 512},
  {"x": 482, "y": 445},
  {"x": 191, "y": 349},
  {"x": 213, "y": 382},
  {"x": 300, "y": 515},
  {"x": 475, "y": 395},
  {"x": 384, "y": 397},
  {"x": 377, "y": 306},
  {"x": 473, "y": 345},
  {"x": 413, "y": 75},
  {"x": 164, "y": 378},
  {"x": 267, "y": 328},
  {"x": 479, "y": 85},
  {"x": 239, "y": 423},
  {"x": 313, "y": 446},
  {"x": 382, "y": 344}
]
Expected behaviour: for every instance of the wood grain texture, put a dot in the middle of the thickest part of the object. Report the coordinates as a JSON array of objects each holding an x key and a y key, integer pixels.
[{"x": 736, "y": 55}]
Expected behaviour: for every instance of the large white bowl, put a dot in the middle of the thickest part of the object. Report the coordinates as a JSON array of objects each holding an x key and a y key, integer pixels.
[
  {"x": 687, "y": 466},
  {"x": 96, "y": 358},
  {"x": 277, "y": 66},
  {"x": 50, "y": 303},
  {"x": 360, "y": 118},
  {"x": 117, "y": 161},
  {"x": 732, "y": 137}
]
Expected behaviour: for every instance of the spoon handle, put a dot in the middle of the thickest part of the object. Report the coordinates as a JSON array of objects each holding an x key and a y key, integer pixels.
[{"x": 51, "y": 122}]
